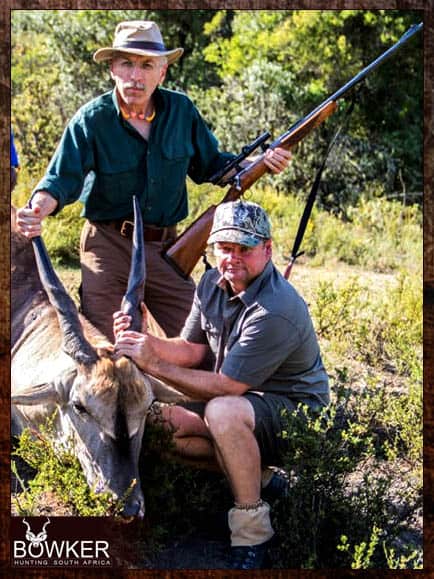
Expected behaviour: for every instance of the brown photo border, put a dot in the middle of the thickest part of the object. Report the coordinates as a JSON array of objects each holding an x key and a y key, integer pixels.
[{"x": 427, "y": 9}]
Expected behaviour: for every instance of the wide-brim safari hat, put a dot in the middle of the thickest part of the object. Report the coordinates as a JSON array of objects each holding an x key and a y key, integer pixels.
[{"x": 141, "y": 37}]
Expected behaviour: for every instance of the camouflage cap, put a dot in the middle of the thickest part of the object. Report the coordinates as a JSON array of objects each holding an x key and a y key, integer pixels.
[{"x": 240, "y": 222}]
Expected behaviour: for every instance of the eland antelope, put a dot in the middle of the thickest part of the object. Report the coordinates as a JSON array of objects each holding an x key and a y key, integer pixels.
[{"x": 59, "y": 360}]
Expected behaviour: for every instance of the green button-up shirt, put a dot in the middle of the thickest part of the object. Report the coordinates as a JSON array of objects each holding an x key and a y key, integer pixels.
[{"x": 104, "y": 161}]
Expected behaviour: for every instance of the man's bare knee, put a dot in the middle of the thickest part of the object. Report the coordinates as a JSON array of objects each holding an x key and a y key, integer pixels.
[{"x": 229, "y": 412}]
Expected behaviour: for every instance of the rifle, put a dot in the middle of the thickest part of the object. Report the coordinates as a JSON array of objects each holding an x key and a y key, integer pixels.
[{"x": 186, "y": 250}]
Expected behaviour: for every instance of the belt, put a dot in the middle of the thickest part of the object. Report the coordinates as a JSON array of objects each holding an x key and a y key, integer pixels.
[{"x": 150, "y": 232}]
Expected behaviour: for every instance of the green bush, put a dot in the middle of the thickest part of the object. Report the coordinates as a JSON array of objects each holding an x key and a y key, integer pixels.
[
  {"x": 58, "y": 471},
  {"x": 377, "y": 234},
  {"x": 342, "y": 487},
  {"x": 190, "y": 496}
]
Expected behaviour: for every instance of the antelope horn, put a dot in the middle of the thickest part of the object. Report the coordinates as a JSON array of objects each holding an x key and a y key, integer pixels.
[
  {"x": 74, "y": 342},
  {"x": 27, "y": 525},
  {"x": 136, "y": 280},
  {"x": 45, "y": 524}
]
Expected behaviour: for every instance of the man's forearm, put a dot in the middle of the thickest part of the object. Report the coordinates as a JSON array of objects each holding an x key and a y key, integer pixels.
[
  {"x": 170, "y": 360},
  {"x": 177, "y": 351},
  {"x": 198, "y": 384}
]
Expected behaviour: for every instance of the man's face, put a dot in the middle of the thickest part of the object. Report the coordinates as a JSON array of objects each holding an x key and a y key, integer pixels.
[
  {"x": 136, "y": 77},
  {"x": 239, "y": 264}
]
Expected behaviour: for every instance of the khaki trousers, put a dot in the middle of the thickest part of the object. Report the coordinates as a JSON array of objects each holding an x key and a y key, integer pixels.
[{"x": 105, "y": 264}]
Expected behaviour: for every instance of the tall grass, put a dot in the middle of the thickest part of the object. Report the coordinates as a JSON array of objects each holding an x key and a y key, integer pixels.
[{"x": 377, "y": 234}]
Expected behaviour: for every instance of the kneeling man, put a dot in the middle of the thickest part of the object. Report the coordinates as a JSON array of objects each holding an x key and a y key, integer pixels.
[{"x": 265, "y": 359}]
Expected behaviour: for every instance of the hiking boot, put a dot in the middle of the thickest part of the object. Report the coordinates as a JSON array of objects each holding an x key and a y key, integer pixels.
[
  {"x": 250, "y": 557},
  {"x": 277, "y": 488}
]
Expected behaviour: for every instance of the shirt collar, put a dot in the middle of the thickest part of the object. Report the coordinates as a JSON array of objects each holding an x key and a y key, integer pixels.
[
  {"x": 248, "y": 296},
  {"x": 115, "y": 101}
]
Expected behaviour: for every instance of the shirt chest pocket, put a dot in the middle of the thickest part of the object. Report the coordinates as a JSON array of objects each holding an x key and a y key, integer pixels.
[
  {"x": 175, "y": 158},
  {"x": 120, "y": 177},
  {"x": 176, "y": 150},
  {"x": 235, "y": 329}
]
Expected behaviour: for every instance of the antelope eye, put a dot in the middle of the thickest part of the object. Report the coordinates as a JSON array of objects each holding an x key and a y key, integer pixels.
[{"x": 79, "y": 408}]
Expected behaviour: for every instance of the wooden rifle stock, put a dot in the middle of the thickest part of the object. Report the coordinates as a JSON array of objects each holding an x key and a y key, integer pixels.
[{"x": 187, "y": 249}]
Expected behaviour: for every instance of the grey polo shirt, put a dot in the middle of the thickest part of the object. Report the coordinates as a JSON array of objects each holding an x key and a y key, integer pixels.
[{"x": 263, "y": 336}]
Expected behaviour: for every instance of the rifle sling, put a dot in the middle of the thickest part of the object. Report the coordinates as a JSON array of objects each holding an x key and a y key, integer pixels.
[{"x": 313, "y": 194}]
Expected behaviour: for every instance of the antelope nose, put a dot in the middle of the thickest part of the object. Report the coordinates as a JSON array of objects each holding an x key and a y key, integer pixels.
[{"x": 133, "y": 508}]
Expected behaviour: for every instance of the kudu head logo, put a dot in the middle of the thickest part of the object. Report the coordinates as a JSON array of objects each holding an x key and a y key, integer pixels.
[{"x": 40, "y": 537}]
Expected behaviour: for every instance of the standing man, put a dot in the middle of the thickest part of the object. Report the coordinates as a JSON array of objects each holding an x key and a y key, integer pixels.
[
  {"x": 266, "y": 360},
  {"x": 137, "y": 139}
]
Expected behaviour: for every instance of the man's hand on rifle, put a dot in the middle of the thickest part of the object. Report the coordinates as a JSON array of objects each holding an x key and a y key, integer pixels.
[{"x": 277, "y": 160}]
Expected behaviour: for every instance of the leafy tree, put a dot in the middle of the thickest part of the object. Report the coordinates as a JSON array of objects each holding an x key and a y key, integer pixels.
[
  {"x": 278, "y": 65},
  {"x": 248, "y": 71}
]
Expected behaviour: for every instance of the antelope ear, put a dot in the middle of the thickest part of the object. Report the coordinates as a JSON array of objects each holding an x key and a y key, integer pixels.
[{"x": 39, "y": 394}]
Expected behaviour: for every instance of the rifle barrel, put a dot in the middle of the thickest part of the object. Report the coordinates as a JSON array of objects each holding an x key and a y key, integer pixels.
[
  {"x": 356, "y": 79},
  {"x": 361, "y": 75}
]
